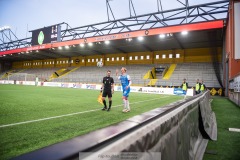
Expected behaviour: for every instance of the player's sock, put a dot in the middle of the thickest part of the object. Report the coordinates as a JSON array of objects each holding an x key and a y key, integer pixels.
[
  {"x": 124, "y": 104},
  {"x": 105, "y": 105},
  {"x": 128, "y": 107},
  {"x": 110, "y": 104}
]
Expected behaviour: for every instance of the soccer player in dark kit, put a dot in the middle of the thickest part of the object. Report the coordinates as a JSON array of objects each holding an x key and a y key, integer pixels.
[{"x": 107, "y": 90}]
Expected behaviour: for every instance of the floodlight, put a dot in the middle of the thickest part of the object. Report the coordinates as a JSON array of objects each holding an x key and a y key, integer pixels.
[
  {"x": 184, "y": 32},
  {"x": 4, "y": 28},
  {"x": 162, "y": 35},
  {"x": 140, "y": 38},
  {"x": 129, "y": 39},
  {"x": 82, "y": 45},
  {"x": 90, "y": 44},
  {"x": 107, "y": 42}
]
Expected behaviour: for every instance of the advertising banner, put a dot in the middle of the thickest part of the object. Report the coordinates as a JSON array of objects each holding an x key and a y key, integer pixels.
[{"x": 149, "y": 90}]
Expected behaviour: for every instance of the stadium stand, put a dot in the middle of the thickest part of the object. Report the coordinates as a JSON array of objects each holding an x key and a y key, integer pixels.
[
  {"x": 192, "y": 72},
  {"x": 93, "y": 74},
  {"x": 2, "y": 75},
  {"x": 42, "y": 73}
]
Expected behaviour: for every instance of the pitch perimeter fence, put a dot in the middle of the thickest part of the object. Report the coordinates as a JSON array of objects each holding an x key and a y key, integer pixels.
[{"x": 180, "y": 130}]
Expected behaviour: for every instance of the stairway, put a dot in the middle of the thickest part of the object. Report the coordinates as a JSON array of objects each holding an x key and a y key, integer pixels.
[{"x": 170, "y": 71}]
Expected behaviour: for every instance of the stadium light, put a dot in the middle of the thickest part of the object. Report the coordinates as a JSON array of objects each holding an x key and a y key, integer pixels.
[
  {"x": 184, "y": 32},
  {"x": 129, "y": 39},
  {"x": 162, "y": 35},
  {"x": 37, "y": 51},
  {"x": 107, "y": 42},
  {"x": 59, "y": 47},
  {"x": 81, "y": 45},
  {"x": 140, "y": 38},
  {"x": 67, "y": 47},
  {"x": 90, "y": 44},
  {"x": 4, "y": 28}
]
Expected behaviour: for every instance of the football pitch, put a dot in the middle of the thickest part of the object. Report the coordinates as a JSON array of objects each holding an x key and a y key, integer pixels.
[{"x": 34, "y": 117}]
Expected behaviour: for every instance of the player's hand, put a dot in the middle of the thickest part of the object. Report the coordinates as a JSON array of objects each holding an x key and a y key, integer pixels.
[
  {"x": 127, "y": 87},
  {"x": 112, "y": 91}
]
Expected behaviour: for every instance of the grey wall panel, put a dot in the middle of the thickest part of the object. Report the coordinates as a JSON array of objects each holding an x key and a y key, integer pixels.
[{"x": 237, "y": 30}]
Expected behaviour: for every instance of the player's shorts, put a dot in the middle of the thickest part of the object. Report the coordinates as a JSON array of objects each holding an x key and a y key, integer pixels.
[
  {"x": 107, "y": 93},
  {"x": 126, "y": 92}
]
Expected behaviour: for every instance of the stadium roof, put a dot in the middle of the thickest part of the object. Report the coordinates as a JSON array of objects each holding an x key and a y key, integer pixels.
[
  {"x": 199, "y": 35},
  {"x": 157, "y": 30}
]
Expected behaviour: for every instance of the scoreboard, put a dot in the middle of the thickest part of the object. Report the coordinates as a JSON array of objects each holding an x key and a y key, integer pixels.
[{"x": 46, "y": 35}]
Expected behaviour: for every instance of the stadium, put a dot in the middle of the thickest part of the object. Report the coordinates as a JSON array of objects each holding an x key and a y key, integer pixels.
[{"x": 50, "y": 83}]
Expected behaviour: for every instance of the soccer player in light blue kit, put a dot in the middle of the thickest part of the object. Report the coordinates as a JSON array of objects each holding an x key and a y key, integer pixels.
[{"x": 126, "y": 82}]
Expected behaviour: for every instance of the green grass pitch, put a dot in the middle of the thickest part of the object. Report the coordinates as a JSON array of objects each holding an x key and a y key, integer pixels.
[
  {"x": 20, "y": 103},
  {"x": 227, "y": 146}
]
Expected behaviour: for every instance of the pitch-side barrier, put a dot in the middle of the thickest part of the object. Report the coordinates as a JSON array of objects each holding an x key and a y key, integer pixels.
[{"x": 178, "y": 131}]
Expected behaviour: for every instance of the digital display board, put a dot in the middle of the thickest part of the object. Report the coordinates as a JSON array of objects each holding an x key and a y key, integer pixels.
[{"x": 46, "y": 35}]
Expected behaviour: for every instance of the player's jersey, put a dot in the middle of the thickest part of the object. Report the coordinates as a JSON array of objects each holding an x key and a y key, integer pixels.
[
  {"x": 108, "y": 82},
  {"x": 124, "y": 80}
]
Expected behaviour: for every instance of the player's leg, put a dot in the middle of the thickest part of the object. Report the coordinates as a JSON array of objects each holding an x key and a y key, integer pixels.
[
  {"x": 123, "y": 99},
  {"x": 104, "y": 100},
  {"x": 124, "y": 104},
  {"x": 109, "y": 100},
  {"x": 128, "y": 106},
  {"x": 126, "y": 101}
]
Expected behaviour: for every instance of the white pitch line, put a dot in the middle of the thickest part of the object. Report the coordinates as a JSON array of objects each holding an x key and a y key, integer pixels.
[
  {"x": 71, "y": 114},
  {"x": 234, "y": 129}
]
